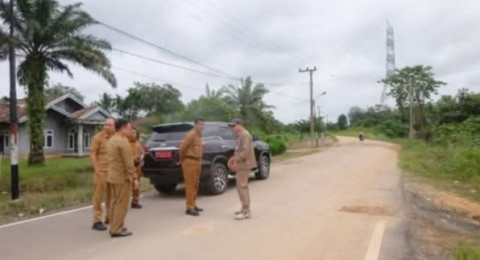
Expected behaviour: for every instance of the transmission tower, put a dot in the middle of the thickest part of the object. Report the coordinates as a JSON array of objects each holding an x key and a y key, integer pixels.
[{"x": 390, "y": 64}]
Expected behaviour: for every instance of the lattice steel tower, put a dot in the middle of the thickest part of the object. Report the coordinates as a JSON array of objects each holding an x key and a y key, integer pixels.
[{"x": 390, "y": 65}]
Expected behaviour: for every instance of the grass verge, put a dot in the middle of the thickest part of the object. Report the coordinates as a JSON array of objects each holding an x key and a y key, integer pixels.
[{"x": 60, "y": 183}]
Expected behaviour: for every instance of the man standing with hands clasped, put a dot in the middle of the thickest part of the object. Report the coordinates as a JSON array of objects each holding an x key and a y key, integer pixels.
[
  {"x": 98, "y": 157},
  {"x": 121, "y": 177},
  {"x": 243, "y": 162},
  {"x": 191, "y": 153}
]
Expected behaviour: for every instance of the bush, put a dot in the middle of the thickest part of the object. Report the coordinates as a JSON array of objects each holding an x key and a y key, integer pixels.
[
  {"x": 466, "y": 133},
  {"x": 277, "y": 146},
  {"x": 393, "y": 129}
]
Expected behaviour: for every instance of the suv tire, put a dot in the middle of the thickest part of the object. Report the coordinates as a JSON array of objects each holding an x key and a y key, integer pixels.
[
  {"x": 217, "y": 182},
  {"x": 263, "y": 168},
  {"x": 168, "y": 188}
]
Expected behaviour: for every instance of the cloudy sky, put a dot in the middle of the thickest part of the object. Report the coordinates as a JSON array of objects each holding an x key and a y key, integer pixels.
[{"x": 270, "y": 40}]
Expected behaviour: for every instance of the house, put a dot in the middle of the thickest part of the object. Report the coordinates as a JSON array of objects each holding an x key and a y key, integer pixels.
[{"x": 69, "y": 126}]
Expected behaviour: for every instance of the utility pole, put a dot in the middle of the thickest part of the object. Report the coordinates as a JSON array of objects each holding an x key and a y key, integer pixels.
[
  {"x": 13, "y": 112},
  {"x": 312, "y": 126},
  {"x": 410, "y": 97}
]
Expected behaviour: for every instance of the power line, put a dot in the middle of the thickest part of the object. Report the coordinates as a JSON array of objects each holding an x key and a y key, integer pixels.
[
  {"x": 227, "y": 76},
  {"x": 164, "y": 49},
  {"x": 153, "y": 78},
  {"x": 171, "y": 64}
]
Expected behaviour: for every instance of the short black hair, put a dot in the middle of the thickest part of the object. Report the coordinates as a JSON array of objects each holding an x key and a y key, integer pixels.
[
  {"x": 198, "y": 119},
  {"x": 120, "y": 123}
]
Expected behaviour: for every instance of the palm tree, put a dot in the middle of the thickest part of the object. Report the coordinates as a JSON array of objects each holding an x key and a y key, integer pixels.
[
  {"x": 47, "y": 36},
  {"x": 107, "y": 102},
  {"x": 248, "y": 100},
  {"x": 212, "y": 94}
]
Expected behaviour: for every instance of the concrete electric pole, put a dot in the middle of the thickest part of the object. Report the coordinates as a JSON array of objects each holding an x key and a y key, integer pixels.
[
  {"x": 13, "y": 112},
  {"x": 312, "y": 127}
]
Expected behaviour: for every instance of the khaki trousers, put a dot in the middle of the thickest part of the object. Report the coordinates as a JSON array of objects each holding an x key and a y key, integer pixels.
[
  {"x": 100, "y": 194},
  {"x": 191, "y": 174},
  {"x": 242, "y": 188},
  {"x": 119, "y": 204},
  {"x": 136, "y": 192}
]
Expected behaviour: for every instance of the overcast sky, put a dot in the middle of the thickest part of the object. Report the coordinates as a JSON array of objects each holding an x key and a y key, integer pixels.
[{"x": 270, "y": 41}]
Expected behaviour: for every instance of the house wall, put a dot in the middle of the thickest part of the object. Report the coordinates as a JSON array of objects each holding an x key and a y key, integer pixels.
[{"x": 69, "y": 105}]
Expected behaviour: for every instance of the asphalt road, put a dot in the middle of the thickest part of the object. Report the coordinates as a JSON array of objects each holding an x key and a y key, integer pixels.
[{"x": 342, "y": 203}]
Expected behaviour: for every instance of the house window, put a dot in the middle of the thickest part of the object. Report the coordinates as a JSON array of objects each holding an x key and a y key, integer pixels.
[
  {"x": 48, "y": 139},
  {"x": 7, "y": 141},
  {"x": 86, "y": 140},
  {"x": 71, "y": 139}
]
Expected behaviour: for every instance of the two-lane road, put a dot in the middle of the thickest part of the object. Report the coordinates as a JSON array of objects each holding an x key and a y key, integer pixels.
[{"x": 342, "y": 203}]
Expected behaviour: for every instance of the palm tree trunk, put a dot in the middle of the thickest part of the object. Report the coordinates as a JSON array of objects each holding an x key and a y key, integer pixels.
[{"x": 36, "y": 75}]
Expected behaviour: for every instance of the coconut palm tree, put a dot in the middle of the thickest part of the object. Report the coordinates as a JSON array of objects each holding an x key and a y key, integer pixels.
[
  {"x": 248, "y": 100},
  {"x": 47, "y": 36}
]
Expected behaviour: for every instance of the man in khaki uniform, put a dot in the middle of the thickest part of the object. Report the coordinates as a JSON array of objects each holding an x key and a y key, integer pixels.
[
  {"x": 121, "y": 177},
  {"x": 243, "y": 162},
  {"x": 137, "y": 153},
  {"x": 98, "y": 157},
  {"x": 191, "y": 152}
]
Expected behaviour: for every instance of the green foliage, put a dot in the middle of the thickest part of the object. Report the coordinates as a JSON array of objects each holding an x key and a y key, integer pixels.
[
  {"x": 249, "y": 104},
  {"x": 277, "y": 145},
  {"x": 54, "y": 175},
  {"x": 467, "y": 252},
  {"x": 60, "y": 90},
  {"x": 342, "y": 122},
  {"x": 211, "y": 108},
  {"x": 393, "y": 128},
  {"x": 413, "y": 86},
  {"x": 466, "y": 133},
  {"x": 150, "y": 99},
  {"x": 47, "y": 36}
]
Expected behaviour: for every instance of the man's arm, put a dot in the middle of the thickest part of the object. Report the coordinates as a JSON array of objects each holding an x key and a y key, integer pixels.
[
  {"x": 126, "y": 154},
  {"x": 93, "y": 153},
  {"x": 186, "y": 143},
  {"x": 242, "y": 154}
]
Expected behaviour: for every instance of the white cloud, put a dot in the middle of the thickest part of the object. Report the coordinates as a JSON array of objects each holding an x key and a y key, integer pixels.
[{"x": 271, "y": 40}]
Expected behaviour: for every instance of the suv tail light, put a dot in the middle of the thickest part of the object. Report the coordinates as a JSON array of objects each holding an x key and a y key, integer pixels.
[{"x": 146, "y": 148}]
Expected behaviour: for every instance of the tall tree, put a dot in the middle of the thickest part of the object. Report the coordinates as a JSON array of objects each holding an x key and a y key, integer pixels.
[
  {"x": 421, "y": 82},
  {"x": 47, "y": 36},
  {"x": 107, "y": 102},
  {"x": 248, "y": 101},
  {"x": 342, "y": 122},
  {"x": 59, "y": 90},
  {"x": 149, "y": 99}
]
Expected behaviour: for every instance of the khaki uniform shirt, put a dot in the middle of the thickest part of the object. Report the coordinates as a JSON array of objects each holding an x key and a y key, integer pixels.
[
  {"x": 120, "y": 160},
  {"x": 137, "y": 153},
  {"x": 244, "y": 152},
  {"x": 191, "y": 147},
  {"x": 99, "y": 149}
]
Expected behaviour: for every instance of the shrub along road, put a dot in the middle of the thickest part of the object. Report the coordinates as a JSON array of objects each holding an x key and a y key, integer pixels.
[{"x": 342, "y": 203}]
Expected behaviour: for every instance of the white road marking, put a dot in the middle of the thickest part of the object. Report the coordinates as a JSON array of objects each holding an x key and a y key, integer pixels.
[
  {"x": 376, "y": 241},
  {"x": 44, "y": 217},
  {"x": 49, "y": 216}
]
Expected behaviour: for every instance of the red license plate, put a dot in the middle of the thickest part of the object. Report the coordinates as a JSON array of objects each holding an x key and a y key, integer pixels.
[{"x": 163, "y": 155}]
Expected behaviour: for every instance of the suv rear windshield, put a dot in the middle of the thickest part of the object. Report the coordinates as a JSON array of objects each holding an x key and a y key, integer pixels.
[{"x": 178, "y": 132}]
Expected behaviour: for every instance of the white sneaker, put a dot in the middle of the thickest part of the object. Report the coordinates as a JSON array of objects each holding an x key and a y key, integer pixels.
[{"x": 242, "y": 216}]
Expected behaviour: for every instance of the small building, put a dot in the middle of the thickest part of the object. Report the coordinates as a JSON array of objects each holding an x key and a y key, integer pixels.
[{"x": 69, "y": 126}]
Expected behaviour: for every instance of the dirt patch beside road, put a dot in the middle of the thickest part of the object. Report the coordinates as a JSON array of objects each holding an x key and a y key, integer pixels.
[{"x": 439, "y": 219}]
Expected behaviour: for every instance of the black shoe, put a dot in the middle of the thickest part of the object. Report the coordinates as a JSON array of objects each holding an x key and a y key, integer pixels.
[
  {"x": 198, "y": 209},
  {"x": 192, "y": 212},
  {"x": 136, "y": 205},
  {"x": 99, "y": 226},
  {"x": 124, "y": 233}
]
